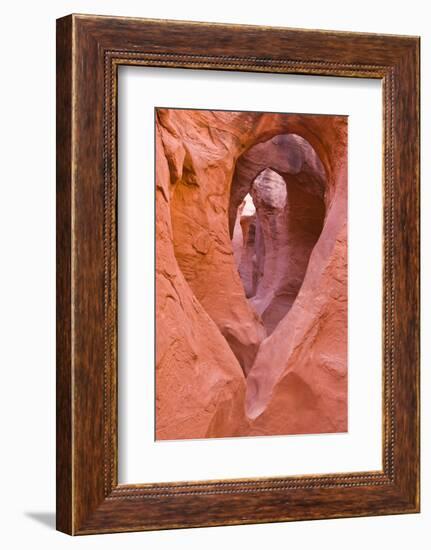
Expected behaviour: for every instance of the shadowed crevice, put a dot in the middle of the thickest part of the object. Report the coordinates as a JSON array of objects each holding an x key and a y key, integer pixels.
[{"x": 277, "y": 225}]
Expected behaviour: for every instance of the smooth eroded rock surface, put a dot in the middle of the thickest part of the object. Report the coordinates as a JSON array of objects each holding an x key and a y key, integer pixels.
[{"x": 251, "y": 274}]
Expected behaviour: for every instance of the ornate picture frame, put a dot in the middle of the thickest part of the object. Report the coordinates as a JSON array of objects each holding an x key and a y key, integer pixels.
[{"x": 89, "y": 51}]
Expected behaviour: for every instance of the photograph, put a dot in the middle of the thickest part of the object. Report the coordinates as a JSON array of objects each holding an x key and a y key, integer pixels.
[
  {"x": 251, "y": 273},
  {"x": 213, "y": 222}
]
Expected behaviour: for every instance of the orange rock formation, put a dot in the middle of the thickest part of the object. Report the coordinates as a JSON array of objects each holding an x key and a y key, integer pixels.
[{"x": 251, "y": 274}]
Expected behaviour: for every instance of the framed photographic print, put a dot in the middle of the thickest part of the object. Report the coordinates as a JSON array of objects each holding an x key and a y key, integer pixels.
[{"x": 237, "y": 274}]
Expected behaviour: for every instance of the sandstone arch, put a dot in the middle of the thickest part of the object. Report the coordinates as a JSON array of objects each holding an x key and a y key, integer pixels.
[
  {"x": 201, "y": 389},
  {"x": 286, "y": 181}
]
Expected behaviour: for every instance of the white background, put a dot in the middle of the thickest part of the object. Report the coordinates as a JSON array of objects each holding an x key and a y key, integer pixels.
[
  {"x": 27, "y": 121},
  {"x": 141, "y": 458}
]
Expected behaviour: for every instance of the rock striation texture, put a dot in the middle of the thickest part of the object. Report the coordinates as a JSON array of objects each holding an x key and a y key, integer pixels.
[
  {"x": 288, "y": 221},
  {"x": 245, "y": 247},
  {"x": 251, "y": 274}
]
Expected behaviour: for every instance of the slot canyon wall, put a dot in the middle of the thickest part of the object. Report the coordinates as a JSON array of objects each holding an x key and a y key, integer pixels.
[{"x": 251, "y": 274}]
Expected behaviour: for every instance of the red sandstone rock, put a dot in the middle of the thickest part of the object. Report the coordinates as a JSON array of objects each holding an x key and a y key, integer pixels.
[
  {"x": 288, "y": 229},
  {"x": 247, "y": 260},
  {"x": 200, "y": 388},
  {"x": 290, "y": 226},
  {"x": 208, "y": 334}
]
